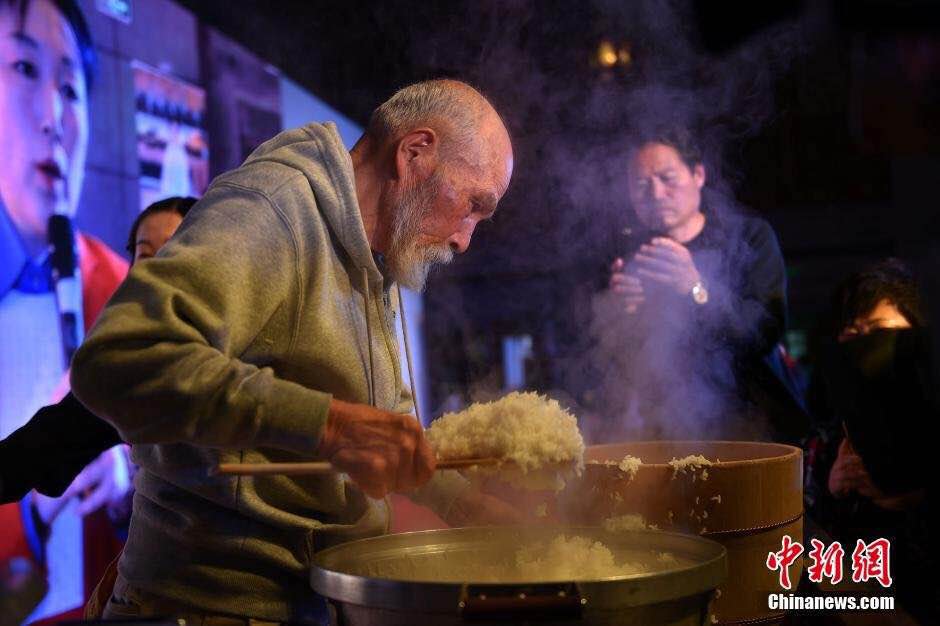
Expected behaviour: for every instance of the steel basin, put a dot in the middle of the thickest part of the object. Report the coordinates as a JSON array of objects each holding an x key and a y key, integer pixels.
[{"x": 443, "y": 577}]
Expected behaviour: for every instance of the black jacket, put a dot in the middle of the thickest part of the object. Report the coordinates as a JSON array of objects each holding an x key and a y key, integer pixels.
[{"x": 49, "y": 451}]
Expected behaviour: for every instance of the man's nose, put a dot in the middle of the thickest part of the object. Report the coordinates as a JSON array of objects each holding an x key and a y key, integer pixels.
[
  {"x": 657, "y": 190},
  {"x": 460, "y": 240}
]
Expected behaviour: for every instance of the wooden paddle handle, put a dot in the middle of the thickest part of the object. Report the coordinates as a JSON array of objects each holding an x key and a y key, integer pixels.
[
  {"x": 281, "y": 469},
  {"x": 320, "y": 467}
]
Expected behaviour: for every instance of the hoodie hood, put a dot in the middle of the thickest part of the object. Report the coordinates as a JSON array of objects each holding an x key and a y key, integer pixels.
[{"x": 317, "y": 152}]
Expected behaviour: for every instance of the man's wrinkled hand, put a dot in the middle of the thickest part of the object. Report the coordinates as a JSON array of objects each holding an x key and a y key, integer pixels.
[
  {"x": 627, "y": 286},
  {"x": 668, "y": 263},
  {"x": 380, "y": 451},
  {"x": 103, "y": 482},
  {"x": 848, "y": 474}
]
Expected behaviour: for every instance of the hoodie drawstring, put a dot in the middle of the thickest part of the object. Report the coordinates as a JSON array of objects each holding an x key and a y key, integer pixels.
[
  {"x": 411, "y": 369},
  {"x": 368, "y": 302}
]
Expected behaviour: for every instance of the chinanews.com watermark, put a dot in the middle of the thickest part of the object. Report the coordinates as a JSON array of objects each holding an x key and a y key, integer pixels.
[
  {"x": 791, "y": 602},
  {"x": 870, "y": 563}
]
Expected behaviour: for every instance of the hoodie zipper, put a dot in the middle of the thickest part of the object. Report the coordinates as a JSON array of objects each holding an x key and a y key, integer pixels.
[
  {"x": 391, "y": 340},
  {"x": 387, "y": 316}
]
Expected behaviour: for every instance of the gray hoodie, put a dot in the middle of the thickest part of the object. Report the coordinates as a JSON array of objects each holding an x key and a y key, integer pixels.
[{"x": 227, "y": 347}]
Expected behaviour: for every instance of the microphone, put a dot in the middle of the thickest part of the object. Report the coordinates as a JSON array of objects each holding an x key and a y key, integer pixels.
[{"x": 68, "y": 283}]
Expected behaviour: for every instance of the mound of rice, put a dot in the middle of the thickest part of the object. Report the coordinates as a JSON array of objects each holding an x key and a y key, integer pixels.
[
  {"x": 629, "y": 465},
  {"x": 564, "y": 557},
  {"x": 630, "y": 521},
  {"x": 530, "y": 430},
  {"x": 689, "y": 463},
  {"x": 574, "y": 557}
]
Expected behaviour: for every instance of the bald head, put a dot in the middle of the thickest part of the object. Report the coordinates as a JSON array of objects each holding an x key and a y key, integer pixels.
[
  {"x": 433, "y": 162},
  {"x": 460, "y": 114}
]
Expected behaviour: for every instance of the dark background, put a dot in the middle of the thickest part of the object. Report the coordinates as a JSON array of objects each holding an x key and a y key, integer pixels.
[{"x": 820, "y": 116}]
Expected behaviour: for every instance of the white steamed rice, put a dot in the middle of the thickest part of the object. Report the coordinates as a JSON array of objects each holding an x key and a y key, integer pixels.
[
  {"x": 689, "y": 463},
  {"x": 530, "y": 430},
  {"x": 630, "y": 521},
  {"x": 571, "y": 558}
]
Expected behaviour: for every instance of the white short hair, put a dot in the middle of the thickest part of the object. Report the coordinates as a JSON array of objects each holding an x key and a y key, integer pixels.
[{"x": 452, "y": 107}]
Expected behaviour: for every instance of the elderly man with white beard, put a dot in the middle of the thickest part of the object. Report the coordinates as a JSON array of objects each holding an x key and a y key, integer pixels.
[{"x": 246, "y": 340}]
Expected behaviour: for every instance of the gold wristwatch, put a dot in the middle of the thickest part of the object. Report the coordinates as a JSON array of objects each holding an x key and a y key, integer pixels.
[{"x": 699, "y": 293}]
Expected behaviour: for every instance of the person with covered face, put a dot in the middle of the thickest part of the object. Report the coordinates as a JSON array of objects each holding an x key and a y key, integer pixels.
[
  {"x": 701, "y": 289},
  {"x": 53, "y": 280},
  {"x": 868, "y": 468},
  {"x": 264, "y": 331},
  {"x": 883, "y": 297}
]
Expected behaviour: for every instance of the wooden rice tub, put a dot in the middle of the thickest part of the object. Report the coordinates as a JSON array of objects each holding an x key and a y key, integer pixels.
[{"x": 747, "y": 500}]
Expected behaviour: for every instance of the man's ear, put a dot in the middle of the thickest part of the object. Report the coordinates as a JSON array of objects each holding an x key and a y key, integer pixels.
[
  {"x": 417, "y": 154},
  {"x": 698, "y": 175}
]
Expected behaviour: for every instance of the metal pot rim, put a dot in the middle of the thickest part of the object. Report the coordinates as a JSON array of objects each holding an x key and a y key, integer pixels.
[{"x": 608, "y": 594}]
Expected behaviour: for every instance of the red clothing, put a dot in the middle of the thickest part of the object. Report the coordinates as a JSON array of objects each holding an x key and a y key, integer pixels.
[{"x": 102, "y": 270}]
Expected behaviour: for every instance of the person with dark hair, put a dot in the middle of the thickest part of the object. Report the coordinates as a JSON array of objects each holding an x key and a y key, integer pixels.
[
  {"x": 53, "y": 280},
  {"x": 867, "y": 466},
  {"x": 73, "y": 16},
  {"x": 49, "y": 451},
  {"x": 868, "y": 309},
  {"x": 154, "y": 226},
  {"x": 701, "y": 290},
  {"x": 884, "y": 295},
  {"x": 881, "y": 297}
]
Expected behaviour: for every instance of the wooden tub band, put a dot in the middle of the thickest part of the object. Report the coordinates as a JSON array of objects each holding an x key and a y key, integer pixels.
[
  {"x": 767, "y": 619},
  {"x": 753, "y": 530}
]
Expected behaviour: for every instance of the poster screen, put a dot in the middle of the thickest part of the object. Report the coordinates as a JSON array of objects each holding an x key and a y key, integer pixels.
[{"x": 171, "y": 138}]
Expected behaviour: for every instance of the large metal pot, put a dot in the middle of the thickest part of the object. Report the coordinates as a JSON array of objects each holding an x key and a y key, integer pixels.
[{"x": 441, "y": 577}]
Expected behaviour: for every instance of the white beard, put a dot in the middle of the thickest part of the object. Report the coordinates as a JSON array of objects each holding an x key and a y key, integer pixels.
[{"x": 409, "y": 262}]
